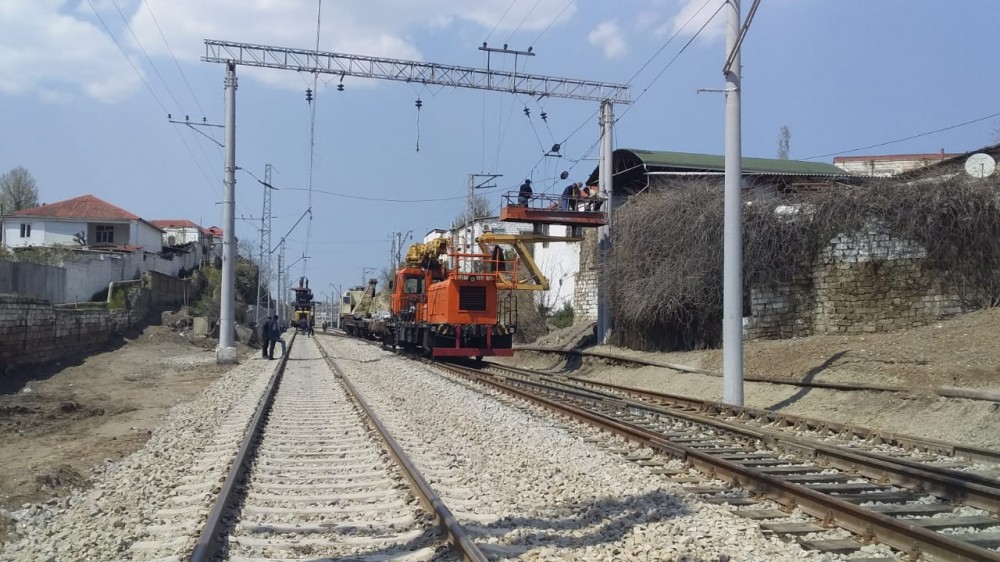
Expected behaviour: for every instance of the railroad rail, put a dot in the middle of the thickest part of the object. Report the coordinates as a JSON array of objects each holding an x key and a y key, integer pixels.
[
  {"x": 946, "y": 392},
  {"x": 308, "y": 464},
  {"x": 909, "y": 505},
  {"x": 847, "y": 432}
]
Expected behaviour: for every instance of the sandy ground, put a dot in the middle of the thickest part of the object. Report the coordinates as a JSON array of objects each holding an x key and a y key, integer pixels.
[
  {"x": 60, "y": 421},
  {"x": 960, "y": 352}
]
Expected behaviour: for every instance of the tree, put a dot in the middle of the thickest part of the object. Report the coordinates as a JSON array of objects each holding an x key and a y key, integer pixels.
[
  {"x": 18, "y": 190},
  {"x": 784, "y": 136},
  {"x": 481, "y": 208}
]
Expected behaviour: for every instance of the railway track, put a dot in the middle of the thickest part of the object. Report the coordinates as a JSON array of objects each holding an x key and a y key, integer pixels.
[
  {"x": 893, "y": 492},
  {"x": 317, "y": 476},
  {"x": 945, "y": 392}
]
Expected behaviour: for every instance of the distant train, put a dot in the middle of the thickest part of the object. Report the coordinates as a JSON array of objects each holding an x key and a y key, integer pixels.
[
  {"x": 437, "y": 310},
  {"x": 303, "y": 309}
]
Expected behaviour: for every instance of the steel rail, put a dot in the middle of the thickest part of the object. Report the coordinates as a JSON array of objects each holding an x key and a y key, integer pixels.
[
  {"x": 802, "y": 422},
  {"x": 459, "y": 539},
  {"x": 947, "y": 392},
  {"x": 983, "y": 494},
  {"x": 869, "y": 525},
  {"x": 208, "y": 542}
]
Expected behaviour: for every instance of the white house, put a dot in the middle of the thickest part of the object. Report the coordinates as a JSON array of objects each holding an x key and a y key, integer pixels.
[
  {"x": 559, "y": 262},
  {"x": 82, "y": 221}
]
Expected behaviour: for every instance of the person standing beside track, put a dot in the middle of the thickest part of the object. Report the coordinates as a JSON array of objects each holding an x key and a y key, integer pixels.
[
  {"x": 265, "y": 337},
  {"x": 276, "y": 333}
]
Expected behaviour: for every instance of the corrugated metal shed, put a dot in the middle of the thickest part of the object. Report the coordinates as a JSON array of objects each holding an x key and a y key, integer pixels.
[{"x": 751, "y": 166}]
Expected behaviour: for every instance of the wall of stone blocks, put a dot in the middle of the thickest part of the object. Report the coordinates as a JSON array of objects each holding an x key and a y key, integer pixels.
[
  {"x": 33, "y": 332},
  {"x": 585, "y": 290},
  {"x": 852, "y": 298}
]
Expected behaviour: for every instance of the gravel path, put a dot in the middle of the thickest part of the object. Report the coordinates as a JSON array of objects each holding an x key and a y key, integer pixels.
[
  {"x": 530, "y": 486},
  {"x": 137, "y": 503}
]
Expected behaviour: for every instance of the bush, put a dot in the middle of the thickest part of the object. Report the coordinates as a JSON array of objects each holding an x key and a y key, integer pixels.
[
  {"x": 562, "y": 318},
  {"x": 665, "y": 268}
]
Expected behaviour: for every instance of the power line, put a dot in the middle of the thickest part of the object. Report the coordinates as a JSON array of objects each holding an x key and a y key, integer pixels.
[
  {"x": 378, "y": 199},
  {"x": 145, "y": 54},
  {"x": 172, "y": 56},
  {"x": 636, "y": 74},
  {"x": 554, "y": 20},
  {"x": 490, "y": 34},
  {"x": 911, "y": 137},
  {"x": 679, "y": 53},
  {"x": 152, "y": 92},
  {"x": 524, "y": 19}
]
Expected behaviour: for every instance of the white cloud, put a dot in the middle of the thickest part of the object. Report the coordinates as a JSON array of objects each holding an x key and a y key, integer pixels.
[
  {"x": 54, "y": 54},
  {"x": 608, "y": 37},
  {"x": 692, "y": 15},
  {"x": 59, "y": 47}
]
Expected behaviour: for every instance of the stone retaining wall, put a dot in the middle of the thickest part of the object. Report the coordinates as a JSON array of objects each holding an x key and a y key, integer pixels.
[{"x": 33, "y": 331}]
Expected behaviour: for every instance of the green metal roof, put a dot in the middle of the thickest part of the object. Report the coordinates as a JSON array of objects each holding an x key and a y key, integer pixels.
[{"x": 713, "y": 162}]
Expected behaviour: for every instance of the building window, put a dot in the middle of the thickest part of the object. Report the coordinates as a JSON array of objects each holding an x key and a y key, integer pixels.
[
  {"x": 25, "y": 230},
  {"x": 105, "y": 234}
]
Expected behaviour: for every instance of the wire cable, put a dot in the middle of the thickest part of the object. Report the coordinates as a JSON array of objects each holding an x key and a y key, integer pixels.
[
  {"x": 208, "y": 178},
  {"x": 174, "y": 58},
  {"x": 497, "y": 24},
  {"x": 554, "y": 20},
  {"x": 146, "y": 55},
  {"x": 524, "y": 19},
  {"x": 911, "y": 137}
]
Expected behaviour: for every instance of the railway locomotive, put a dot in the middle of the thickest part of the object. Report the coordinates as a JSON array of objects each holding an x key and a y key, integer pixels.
[
  {"x": 303, "y": 309},
  {"x": 441, "y": 309}
]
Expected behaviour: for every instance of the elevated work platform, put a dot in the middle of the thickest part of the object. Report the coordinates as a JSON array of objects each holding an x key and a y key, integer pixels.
[{"x": 552, "y": 209}]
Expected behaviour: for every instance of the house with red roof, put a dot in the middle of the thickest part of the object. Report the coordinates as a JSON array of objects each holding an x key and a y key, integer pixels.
[{"x": 85, "y": 221}]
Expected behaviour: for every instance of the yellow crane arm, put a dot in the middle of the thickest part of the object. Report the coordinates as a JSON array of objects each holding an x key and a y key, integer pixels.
[{"x": 531, "y": 279}]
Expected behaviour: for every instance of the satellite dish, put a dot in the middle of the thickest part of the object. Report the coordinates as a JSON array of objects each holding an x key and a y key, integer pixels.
[{"x": 980, "y": 165}]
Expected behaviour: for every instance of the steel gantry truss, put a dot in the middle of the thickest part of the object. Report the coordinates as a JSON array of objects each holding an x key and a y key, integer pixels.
[{"x": 304, "y": 60}]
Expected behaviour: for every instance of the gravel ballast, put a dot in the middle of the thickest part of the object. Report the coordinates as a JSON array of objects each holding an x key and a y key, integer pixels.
[
  {"x": 540, "y": 491},
  {"x": 107, "y": 521}
]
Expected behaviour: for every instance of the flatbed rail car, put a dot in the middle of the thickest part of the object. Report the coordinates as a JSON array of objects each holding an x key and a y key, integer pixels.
[{"x": 356, "y": 308}]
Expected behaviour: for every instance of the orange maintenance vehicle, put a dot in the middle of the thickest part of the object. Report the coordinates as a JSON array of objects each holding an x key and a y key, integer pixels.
[{"x": 451, "y": 309}]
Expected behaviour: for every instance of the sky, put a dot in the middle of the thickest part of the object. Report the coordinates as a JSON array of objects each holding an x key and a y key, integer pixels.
[{"x": 86, "y": 88}]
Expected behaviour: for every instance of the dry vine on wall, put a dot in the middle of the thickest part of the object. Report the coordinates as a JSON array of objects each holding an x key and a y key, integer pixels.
[{"x": 665, "y": 274}]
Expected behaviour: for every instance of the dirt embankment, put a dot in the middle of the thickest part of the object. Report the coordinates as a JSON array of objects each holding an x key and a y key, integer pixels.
[{"x": 61, "y": 420}]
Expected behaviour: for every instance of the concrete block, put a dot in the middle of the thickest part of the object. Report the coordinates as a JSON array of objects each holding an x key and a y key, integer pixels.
[{"x": 200, "y": 326}]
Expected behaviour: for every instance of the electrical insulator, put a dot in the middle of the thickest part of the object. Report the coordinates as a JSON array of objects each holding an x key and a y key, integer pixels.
[
  {"x": 309, "y": 95},
  {"x": 527, "y": 112},
  {"x": 340, "y": 87},
  {"x": 419, "y": 104}
]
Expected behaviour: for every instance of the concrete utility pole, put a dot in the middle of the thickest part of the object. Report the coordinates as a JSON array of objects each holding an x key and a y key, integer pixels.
[
  {"x": 732, "y": 269},
  {"x": 605, "y": 175},
  {"x": 227, "y": 317}
]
